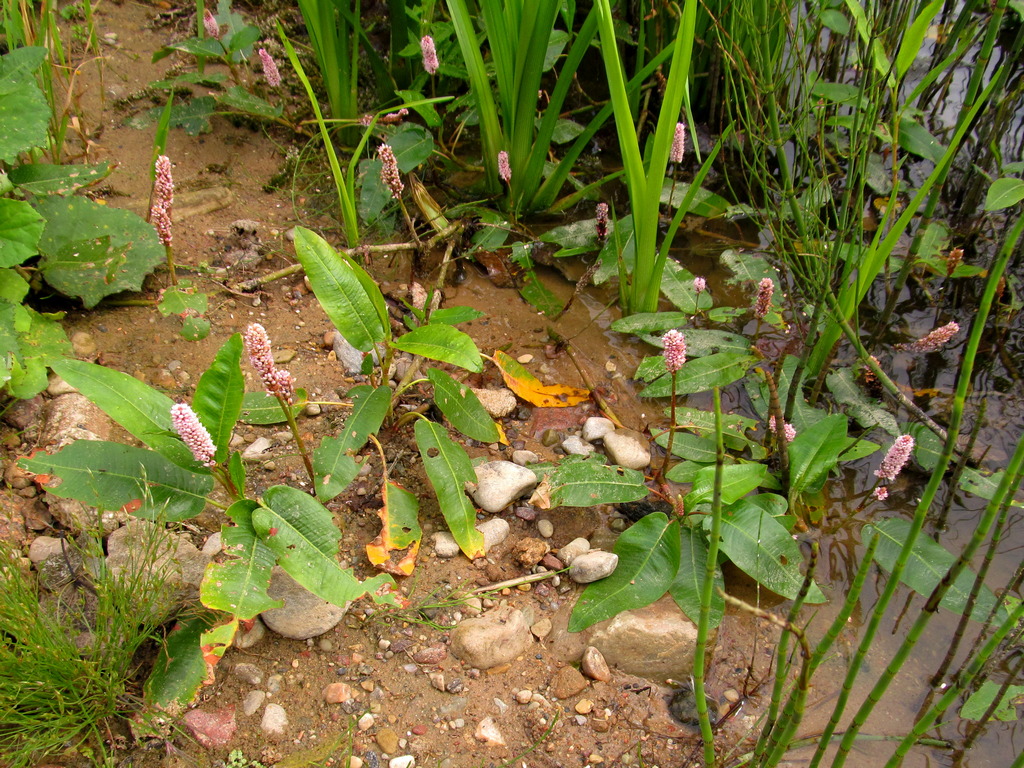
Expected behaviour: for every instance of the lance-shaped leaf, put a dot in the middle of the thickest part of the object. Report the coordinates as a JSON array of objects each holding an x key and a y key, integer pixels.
[
  {"x": 351, "y": 299},
  {"x": 137, "y": 407},
  {"x": 867, "y": 412},
  {"x": 462, "y": 408},
  {"x": 815, "y": 452},
  {"x": 648, "y": 562},
  {"x": 394, "y": 550},
  {"x": 218, "y": 398},
  {"x": 111, "y": 475},
  {"x": 261, "y": 408},
  {"x": 703, "y": 373},
  {"x": 530, "y": 389},
  {"x": 737, "y": 481},
  {"x": 584, "y": 483},
  {"x": 239, "y": 585},
  {"x": 179, "y": 670},
  {"x": 333, "y": 462},
  {"x": 762, "y": 548},
  {"x": 442, "y": 342},
  {"x": 302, "y": 534},
  {"x": 449, "y": 469},
  {"x": 688, "y": 585}
]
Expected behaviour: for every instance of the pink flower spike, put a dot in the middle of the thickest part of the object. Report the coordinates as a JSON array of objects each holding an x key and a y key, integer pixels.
[
  {"x": 896, "y": 458},
  {"x": 270, "y": 70},
  {"x": 163, "y": 200},
  {"x": 675, "y": 350},
  {"x": 788, "y": 430},
  {"x": 430, "y": 62},
  {"x": 935, "y": 340},
  {"x": 389, "y": 173},
  {"x": 678, "y": 144},
  {"x": 257, "y": 346},
  {"x": 881, "y": 493},
  {"x": 699, "y": 285},
  {"x": 764, "y": 297},
  {"x": 601, "y": 225},
  {"x": 504, "y": 169},
  {"x": 194, "y": 434},
  {"x": 210, "y": 24}
]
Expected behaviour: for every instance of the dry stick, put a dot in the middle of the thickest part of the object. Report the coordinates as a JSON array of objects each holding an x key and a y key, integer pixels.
[{"x": 528, "y": 579}]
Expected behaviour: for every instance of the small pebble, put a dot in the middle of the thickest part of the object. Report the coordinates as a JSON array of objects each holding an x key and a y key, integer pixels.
[
  {"x": 584, "y": 706},
  {"x": 545, "y": 528}
]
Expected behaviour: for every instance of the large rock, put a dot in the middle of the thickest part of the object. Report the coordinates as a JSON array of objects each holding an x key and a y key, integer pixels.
[
  {"x": 303, "y": 614},
  {"x": 495, "y": 638},
  {"x": 628, "y": 448},
  {"x": 499, "y": 483}
]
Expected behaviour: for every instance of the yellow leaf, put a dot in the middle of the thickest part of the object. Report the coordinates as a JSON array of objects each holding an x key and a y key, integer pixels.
[{"x": 530, "y": 389}]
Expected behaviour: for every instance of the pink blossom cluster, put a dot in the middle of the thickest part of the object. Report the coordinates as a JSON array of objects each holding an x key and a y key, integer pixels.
[
  {"x": 763, "y": 303},
  {"x": 393, "y": 118},
  {"x": 163, "y": 200},
  {"x": 896, "y": 458},
  {"x": 210, "y": 24},
  {"x": 193, "y": 433},
  {"x": 278, "y": 382},
  {"x": 935, "y": 340},
  {"x": 699, "y": 285},
  {"x": 389, "y": 173},
  {"x": 678, "y": 144},
  {"x": 881, "y": 493},
  {"x": 504, "y": 168},
  {"x": 953, "y": 259},
  {"x": 430, "y": 62},
  {"x": 788, "y": 430},
  {"x": 675, "y": 350},
  {"x": 270, "y": 70},
  {"x": 601, "y": 224}
]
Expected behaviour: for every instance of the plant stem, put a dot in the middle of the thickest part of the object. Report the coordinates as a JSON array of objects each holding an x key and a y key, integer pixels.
[
  {"x": 671, "y": 429},
  {"x": 299, "y": 442}
]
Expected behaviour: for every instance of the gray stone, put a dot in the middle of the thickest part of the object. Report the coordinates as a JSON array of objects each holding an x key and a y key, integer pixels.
[
  {"x": 575, "y": 445},
  {"x": 494, "y": 532},
  {"x": 495, "y": 638},
  {"x": 43, "y": 547},
  {"x": 545, "y": 528},
  {"x": 593, "y": 566},
  {"x": 275, "y": 721},
  {"x": 248, "y": 673},
  {"x": 212, "y": 545},
  {"x": 499, "y": 483},
  {"x": 57, "y": 386},
  {"x": 255, "y": 450},
  {"x": 594, "y": 665},
  {"x": 172, "y": 560},
  {"x": 351, "y": 359},
  {"x": 573, "y": 549},
  {"x": 628, "y": 448},
  {"x": 596, "y": 427},
  {"x": 303, "y": 614},
  {"x": 497, "y": 402},
  {"x": 487, "y": 732},
  {"x": 524, "y": 458},
  {"x": 252, "y": 702},
  {"x": 246, "y": 640},
  {"x": 83, "y": 345},
  {"x": 445, "y": 544},
  {"x": 402, "y": 761}
]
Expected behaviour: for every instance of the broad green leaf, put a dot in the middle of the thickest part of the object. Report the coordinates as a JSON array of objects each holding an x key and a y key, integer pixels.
[
  {"x": 1006, "y": 710},
  {"x": 455, "y": 315},
  {"x": 180, "y": 669},
  {"x": 539, "y": 295},
  {"x": 1003, "y": 193},
  {"x": 928, "y": 563},
  {"x": 301, "y": 532},
  {"x": 91, "y": 251},
  {"x": 646, "y": 322},
  {"x": 763, "y": 549},
  {"x": 441, "y": 342},
  {"x": 261, "y": 408},
  {"x": 648, "y": 563},
  {"x": 737, "y": 481},
  {"x": 449, "y": 469},
  {"x": 239, "y": 585},
  {"x": 20, "y": 230},
  {"x": 40, "y": 341},
  {"x": 747, "y": 267},
  {"x": 699, "y": 343},
  {"x": 13, "y": 288},
  {"x": 111, "y": 475},
  {"x": 462, "y": 408},
  {"x": 238, "y": 98},
  {"x": 194, "y": 328},
  {"x": 701, "y": 374},
  {"x": 586, "y": 483},
  {"x": 815, "y": 452},
  {"x": 688, "y": 584},
  {"x": 691, "y": 447},
  {"x": 917, "y": 140},
  {"x": 45, "y": 179},
  {"x": 867, "y": 412},
  {"x": 358, "y": 313},
  {"x": 182, "y": 299},
  {"x": 413, "y": 145},
  {"x": 704, "y": 203},
  {"x": 24, "y": 111},
  {"x": 137, "y": 407},
  {"x": 333, "y": 461},
  {"x": 395, "y": 548},
  {"x": 677, "y": 287},
  {"x": 218, "y": 397},
  {"x": 984, "y": 486}
]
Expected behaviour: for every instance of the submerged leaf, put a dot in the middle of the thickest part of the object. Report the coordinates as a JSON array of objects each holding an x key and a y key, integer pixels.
[{"x": 530, "y": 389}]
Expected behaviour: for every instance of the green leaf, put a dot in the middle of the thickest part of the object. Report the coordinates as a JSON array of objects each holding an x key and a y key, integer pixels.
[
  {"x": 13, "y": 288},
  {"x": 462, "y": 408},
  {"x": 584, "y": 483},
  {"x": 699, "y": 343},
  {"x": 747, "y": 267},
  {"x": 648, "y": 563},
  {"x": 111, "y": 475},
  {"x": 301, "y": 532},
  {"x": 344, "y": 291},
  {"x": 704, "y": 373},
  {"x": 46, "y": 179},
  {"x": 180, "y": 669},
  {"x": 261, "y": 408},
  {"x": 91, "y": 251},
  {"x": 1003, "y": 193},
  {"x": 20, "y": 230},
  {"x": 702, "y": 449},
  {"x": 455, "y": 315},
  {"x": 646, "y": 322},
  {"x": 40, "y": 342},
  {"x": 704, "y": 203},
  {"x": 688, "y": 584},
  {"x": 218, "y": 398},
  {"x": 449, "y": 469},
  {"x": 239, "y": 585},
  {"x": 815, "y": 452},
  {"x": 763, "y": 549},
  {"x": 565, "y": 131},
  {"x": 916, "y": 139},
  {"x": 927, "y": 565},
  {"x": 181, "y": 300},
  {"x": 677, "y": 287},
  {"x": 737, "y": 481},
  {"x": 137, "y": 407},
  {"x": 441, "y": 342},
  {"x": 413, "y": 145},
  {"x": 913, "y": 38},
  {"x": 24, "y": 111},
  {"x": 1006, "y": 711},
  {"x": 865, "y": 411},
  {"x": 539, "y": 295},
  {"x": 333, "y": 461},
  {"x": 238, "y": 98},
  {"x": 195, "y": 328}
]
